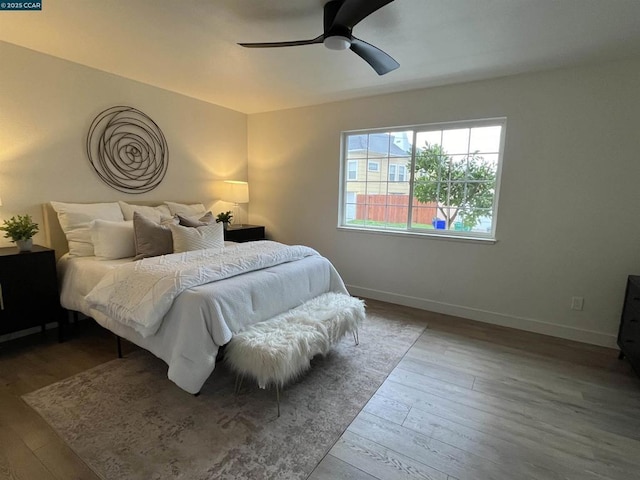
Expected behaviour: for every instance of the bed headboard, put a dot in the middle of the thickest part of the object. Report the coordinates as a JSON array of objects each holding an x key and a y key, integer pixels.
[{"x": 54, "y": 236}]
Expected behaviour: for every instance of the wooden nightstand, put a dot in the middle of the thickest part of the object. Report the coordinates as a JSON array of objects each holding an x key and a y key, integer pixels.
[
  {"x": 244, "y": 233},
  {"x": 28, "y": 289}
]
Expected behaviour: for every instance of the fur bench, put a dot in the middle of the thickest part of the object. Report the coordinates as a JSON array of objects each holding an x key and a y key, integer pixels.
[{"x": 280, "y": 349}]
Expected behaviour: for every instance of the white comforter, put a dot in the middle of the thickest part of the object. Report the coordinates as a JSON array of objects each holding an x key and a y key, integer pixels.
[
  {"x": 201, "y": 319},
  {"x": 141, "y": 293}
]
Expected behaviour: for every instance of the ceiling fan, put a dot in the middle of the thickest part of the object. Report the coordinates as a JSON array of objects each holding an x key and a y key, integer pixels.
[{"x": 340, "y": 16}]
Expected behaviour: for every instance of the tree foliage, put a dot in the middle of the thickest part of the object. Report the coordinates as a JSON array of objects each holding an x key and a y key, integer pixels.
[{"x": 461, "y": 186}]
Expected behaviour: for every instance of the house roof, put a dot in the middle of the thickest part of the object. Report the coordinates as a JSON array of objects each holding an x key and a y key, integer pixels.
[{"x": 376, "y": 143}]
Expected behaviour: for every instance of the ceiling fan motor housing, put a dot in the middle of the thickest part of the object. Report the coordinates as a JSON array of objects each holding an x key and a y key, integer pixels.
[{"x": 336, "y": 37}]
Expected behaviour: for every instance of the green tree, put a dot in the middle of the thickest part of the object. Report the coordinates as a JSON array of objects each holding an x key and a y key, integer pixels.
[{"x": 461, "y": 187}]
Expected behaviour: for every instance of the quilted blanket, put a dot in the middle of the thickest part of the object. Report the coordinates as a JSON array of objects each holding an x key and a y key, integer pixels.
[{"x": 141, "y": 293}]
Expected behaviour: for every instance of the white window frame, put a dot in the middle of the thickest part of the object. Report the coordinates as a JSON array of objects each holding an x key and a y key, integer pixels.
[{"x": 444, "y": 234}]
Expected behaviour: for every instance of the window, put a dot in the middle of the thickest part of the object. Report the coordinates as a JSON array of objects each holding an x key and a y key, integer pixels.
[
  {"x": 352, "y": 170},
  {"x": 374, "y": 166},
  {"x": 397, "y": 173},
  {"x": 441, "y": 179}
]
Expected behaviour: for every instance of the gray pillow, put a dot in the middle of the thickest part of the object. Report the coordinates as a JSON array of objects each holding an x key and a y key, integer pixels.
[
  {"x": 151, "y": 238},
  {"x": 206, "y": 219}
]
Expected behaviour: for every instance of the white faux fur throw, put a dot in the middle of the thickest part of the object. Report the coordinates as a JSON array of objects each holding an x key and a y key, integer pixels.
[{"x": 280, "y": 349}]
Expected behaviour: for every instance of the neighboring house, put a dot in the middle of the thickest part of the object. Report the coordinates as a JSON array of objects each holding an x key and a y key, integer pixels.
[{"x": 378, "y": 179}]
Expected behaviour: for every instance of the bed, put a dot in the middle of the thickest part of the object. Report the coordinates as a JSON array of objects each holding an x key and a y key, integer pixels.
[{"x": 201, "y": 319}]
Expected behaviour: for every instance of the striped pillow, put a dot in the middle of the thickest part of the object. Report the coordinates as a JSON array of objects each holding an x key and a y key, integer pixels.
[{"x": 186, "y": 239}]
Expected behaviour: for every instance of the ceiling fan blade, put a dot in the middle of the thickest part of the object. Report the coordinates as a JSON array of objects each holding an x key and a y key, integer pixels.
[
  {"x": 353, "y": 12},
  {"x": 295, "y": 43},
  {"x": 381, "y": 62}
]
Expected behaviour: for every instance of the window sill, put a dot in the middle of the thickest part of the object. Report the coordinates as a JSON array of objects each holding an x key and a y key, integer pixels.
[{"x": 414, "y": 234}]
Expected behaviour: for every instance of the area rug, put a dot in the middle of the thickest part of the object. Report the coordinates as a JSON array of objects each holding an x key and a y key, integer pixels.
[{"x": 126, "y": 420}]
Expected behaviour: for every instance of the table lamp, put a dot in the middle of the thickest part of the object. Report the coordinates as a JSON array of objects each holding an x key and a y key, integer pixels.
[{"x": 236, "y": 193}]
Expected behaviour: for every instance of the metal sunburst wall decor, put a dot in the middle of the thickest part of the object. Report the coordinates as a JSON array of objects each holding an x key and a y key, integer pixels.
[{"x": 127, "y": 150}]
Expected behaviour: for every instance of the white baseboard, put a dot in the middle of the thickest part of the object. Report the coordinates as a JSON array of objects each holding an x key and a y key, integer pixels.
[{"x": 520, "y": 323}]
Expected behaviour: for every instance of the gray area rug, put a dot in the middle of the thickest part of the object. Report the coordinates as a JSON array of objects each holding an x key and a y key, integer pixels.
[{"x": 126, "y": 420}]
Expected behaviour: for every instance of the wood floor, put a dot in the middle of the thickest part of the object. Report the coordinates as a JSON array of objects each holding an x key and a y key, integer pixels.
[{"x": 468, "y": 401}]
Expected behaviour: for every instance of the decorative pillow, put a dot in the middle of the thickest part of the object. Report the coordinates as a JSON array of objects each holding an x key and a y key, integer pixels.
[
  {"x": 113, "y": 240},
  {"x": 75, "y": 220},
  {"x": 186, "y": 239},
  {"x": 157, "y": 214},
  {"x": 206, "y": 219},
  {"x": 186, "y": 210},
  {"x": 151, "y": 238}
]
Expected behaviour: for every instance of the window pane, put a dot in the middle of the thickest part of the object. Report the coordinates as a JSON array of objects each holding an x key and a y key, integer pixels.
[
  {"x": 432, "y": 138},
  {"x": 455, "y": 141},
  {"x": 375, "y": 189},
  {"x": 379, "y": 143},
  {"x": 401, "y": 143},
  {"x": 357, "y": 146},
  {"x": 485, "y": 139},
  {"x": 476, "y": 220},
  {"x": 398, "y": 188}
]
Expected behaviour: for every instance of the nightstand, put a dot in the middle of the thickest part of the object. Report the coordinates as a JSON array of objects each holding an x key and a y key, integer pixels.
[
  {"x": 28, "y": 289},
  {"x": 629, "y": 333},
  {"x": 244, "y": 233}
]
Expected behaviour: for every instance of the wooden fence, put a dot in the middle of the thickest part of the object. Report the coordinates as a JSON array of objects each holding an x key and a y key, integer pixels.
[{"x": 393, "y": 209}]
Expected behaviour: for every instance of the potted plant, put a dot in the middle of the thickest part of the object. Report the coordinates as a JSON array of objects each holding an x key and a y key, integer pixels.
[
  {"x": 20, "y": 229},
  {"x": 224, "y": 218}
]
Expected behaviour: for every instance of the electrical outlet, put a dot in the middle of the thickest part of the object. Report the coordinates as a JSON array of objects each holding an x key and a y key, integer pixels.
[{"x": 577, "y": 303}]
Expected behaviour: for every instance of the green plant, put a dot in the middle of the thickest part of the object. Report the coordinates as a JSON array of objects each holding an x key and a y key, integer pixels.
[
  {"x": 20, "y": 227},
  {"x": 224, "y": 217},
  {"x": 461, "y": 186}
]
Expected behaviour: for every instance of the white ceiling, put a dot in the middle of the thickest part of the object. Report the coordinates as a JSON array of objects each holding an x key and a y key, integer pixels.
[{"x": 189, "y": 46}]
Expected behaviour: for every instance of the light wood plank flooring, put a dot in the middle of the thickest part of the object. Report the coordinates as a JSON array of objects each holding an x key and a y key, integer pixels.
[
  {"x": 478, "y": 402},
  {"x": 468, "y": 401}
]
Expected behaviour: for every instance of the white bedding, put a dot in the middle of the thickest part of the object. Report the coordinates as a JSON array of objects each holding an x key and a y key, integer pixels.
[
  {"x": 204, "y": 318},
  {"x": 140, "y": 294}
]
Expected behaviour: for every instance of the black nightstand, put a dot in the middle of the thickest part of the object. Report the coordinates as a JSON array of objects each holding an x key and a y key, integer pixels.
[
  {"x": 629, "y": 333},
  {"x": 244, "y": 233},
  {"x": 28, "y": 289}
]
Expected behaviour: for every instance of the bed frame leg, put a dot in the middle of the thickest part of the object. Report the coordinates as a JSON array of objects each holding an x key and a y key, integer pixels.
[
  {"x": 356, "y": 338},
  {"x": 119, "y": 346}
]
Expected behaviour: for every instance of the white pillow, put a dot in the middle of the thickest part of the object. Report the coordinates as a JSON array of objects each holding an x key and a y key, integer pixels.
[
  {"x": 186, "y": 210},
  {"x": 157, "y": 214},
  {"x": 113, "y": 240},
  {"x": 186, "y": 239},
  {"x": 75, "y": 219}
]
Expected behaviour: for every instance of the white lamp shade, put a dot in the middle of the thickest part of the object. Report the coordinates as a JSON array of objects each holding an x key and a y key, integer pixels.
[{"x": 236, "y": 192}]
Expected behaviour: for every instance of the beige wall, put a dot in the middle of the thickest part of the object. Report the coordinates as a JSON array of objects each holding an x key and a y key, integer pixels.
[
  {"x": 568, "y": 221},
  {"x": 46, "y": 108}
]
